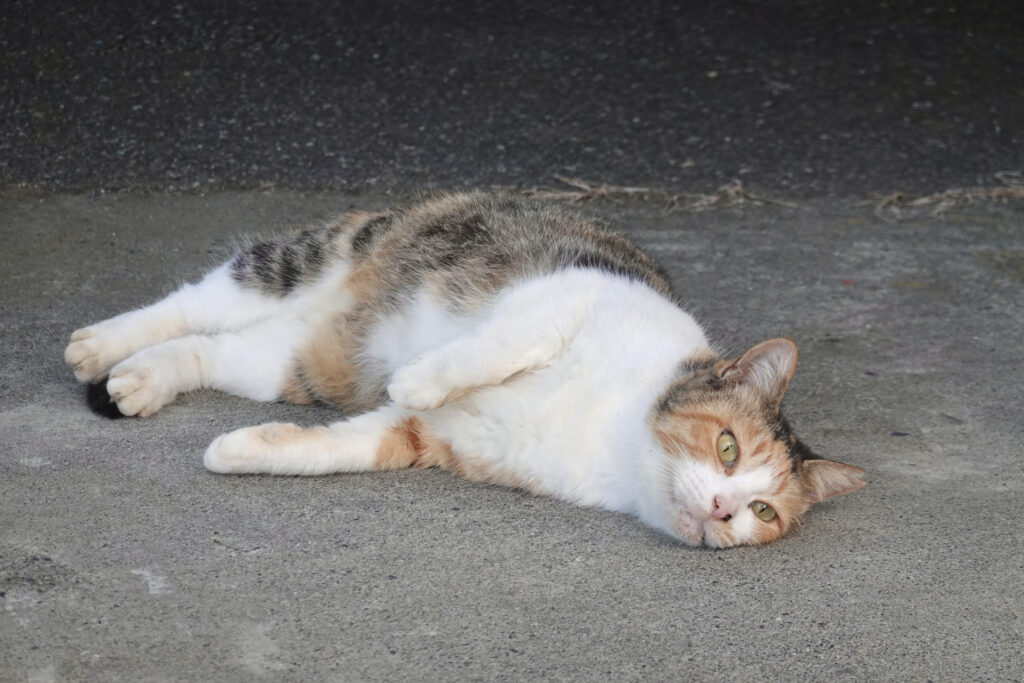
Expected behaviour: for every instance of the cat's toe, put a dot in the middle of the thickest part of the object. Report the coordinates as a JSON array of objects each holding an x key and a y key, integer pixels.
[
  {"x": 137, "y": 390},
  {"x": 242, "y": 450},
  {"x": 85, "y": 354}
]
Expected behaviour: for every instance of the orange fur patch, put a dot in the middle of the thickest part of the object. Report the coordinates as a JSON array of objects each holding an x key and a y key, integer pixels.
[
  {"x": 411, "y": 443},
  {"x": 692, "y": 433},
  {"x": 400, "y": 447}
]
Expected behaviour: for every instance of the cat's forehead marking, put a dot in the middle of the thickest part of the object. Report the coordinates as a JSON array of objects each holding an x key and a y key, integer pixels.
[{"x": 695, "y": 428}]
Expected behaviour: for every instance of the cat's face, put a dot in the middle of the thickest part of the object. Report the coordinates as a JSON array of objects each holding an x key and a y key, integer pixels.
[{"x": 732, "y": 473}]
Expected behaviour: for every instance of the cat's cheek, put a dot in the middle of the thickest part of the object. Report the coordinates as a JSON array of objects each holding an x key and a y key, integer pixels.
[
  {"x": 746, "y": 529},
  {"x": 686, "y": 527}
]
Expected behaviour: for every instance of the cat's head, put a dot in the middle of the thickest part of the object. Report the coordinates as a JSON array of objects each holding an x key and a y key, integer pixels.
[{"x": 731, "y": 472}]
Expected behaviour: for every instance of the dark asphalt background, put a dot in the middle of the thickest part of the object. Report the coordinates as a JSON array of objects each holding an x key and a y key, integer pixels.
[{"x": 833, "y": 99}]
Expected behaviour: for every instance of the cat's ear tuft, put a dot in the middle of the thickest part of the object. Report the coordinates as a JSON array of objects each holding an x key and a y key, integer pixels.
[
  {"x": 824, "y": 479},
  {"x": 767, "y": 369}
]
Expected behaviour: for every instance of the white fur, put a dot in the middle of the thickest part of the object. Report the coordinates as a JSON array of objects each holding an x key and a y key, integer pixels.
[
  {"x": 347, "y": 446},
  {"x": 600, "y": 350},
  {"x": 214, "y": 333},
  {"x": 694, "y": 486}
]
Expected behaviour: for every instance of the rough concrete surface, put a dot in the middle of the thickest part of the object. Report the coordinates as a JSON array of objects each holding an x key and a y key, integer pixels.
[
  {"x": 122, "y": 559},
  {"x": 138, "y": 139}
]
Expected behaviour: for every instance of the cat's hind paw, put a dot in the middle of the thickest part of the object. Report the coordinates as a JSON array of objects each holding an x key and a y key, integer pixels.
[
  {"x": 138, "y": 388},
  {"x": 91, "y": 353}
]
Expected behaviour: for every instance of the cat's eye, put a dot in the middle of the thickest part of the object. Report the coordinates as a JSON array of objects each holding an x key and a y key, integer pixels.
[
  {"x": 764, "y": 511},
  {"x": 728, "y": 449}
]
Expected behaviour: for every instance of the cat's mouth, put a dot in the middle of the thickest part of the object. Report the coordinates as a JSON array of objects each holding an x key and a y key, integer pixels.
[
  {"x": 688, "y": 528},
  {"x": 701, "y": 530}
]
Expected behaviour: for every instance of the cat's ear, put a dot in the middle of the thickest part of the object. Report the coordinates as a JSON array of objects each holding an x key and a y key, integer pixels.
[
  {"x": 824, "y": 479},
  {"x": 766, "y": 369}
]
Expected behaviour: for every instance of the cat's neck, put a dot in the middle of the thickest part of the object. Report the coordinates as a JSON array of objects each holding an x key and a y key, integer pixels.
[{"x": 633, "y": 349}]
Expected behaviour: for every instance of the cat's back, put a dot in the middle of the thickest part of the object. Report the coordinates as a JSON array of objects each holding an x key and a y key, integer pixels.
[{"x": 471, "y": 245}]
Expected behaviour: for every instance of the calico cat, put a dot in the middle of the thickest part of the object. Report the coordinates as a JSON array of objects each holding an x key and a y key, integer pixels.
[{"x": 504, "y": 339}]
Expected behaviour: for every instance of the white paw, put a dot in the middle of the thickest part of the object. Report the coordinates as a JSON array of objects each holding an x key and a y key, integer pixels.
[
  {"x": 92, "y": 352},
  {"x": 138, "y": 387},
  {"x": 250, "y": 449},
  {"x": 417, "y": 387}
]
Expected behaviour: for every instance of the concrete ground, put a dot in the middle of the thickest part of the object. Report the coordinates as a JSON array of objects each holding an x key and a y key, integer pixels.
[
  {"x": 122, "y": 559},
  {"x": 138, "y": 140}
]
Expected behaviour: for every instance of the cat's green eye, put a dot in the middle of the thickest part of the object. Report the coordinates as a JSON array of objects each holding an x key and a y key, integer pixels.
[
  {"x": 728, "y": 449},
  {"x": 764, "y": 511}
]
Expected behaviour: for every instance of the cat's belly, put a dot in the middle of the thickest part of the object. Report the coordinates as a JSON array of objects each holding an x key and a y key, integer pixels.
[
  {"x": 555, "y": 432},
  {"x": 422, "y": 324}
]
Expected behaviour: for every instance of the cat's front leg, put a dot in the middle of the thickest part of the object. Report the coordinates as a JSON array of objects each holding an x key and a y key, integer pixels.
[
  {"x": 382, "y": 439},
  {"x": 529, "y": 329}
]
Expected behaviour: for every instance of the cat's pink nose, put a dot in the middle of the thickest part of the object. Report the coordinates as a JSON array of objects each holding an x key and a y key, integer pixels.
[{"x": 719, "y": 510}]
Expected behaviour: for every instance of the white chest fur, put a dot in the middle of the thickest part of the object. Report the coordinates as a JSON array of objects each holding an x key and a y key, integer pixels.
[{"x": 575, "y": 427}]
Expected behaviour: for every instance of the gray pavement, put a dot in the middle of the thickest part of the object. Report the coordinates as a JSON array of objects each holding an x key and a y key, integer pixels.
[
  {"x": 137, "y": 140},
  {"x": 122, "y": 559}
]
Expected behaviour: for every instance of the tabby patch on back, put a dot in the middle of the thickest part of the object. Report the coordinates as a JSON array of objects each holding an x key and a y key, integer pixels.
[{"x": 504, "y": 339}]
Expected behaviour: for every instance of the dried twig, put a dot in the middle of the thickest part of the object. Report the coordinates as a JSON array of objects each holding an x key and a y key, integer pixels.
[
  {"x": 729, "y": 195},
  {"x": 585, "y": 191},
  {"x": 899, "y": 206}
]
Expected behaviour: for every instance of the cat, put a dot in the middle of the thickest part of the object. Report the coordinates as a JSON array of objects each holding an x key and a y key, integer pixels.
[{"x": 504, "y": 339}]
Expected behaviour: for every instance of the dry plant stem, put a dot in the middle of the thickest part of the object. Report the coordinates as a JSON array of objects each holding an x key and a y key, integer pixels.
[
  {"x": 729, "y": 195},
  {"x": 899, "y": 206}
]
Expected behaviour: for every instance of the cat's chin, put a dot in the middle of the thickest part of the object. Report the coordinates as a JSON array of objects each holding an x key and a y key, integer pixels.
[{"x": 700, "y": 531}]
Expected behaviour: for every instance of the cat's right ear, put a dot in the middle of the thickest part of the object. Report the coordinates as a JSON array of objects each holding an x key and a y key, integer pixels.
[{"x": 766, "y": 369}]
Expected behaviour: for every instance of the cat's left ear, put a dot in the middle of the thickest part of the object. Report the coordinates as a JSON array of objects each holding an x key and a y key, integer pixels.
[
  {"x": 766, "y": 369},
  {"x": 824, "y": 479}
]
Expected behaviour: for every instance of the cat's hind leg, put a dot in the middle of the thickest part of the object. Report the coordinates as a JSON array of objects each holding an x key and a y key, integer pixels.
[
  {"x": 216, "y": 303},
  {"x": 386, "y": 438},
  {"x": 281, "y": 276},
  {"x": 256, "y": 362}
]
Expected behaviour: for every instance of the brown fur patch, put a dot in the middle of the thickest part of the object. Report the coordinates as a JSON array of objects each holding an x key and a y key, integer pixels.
[
  {"x": 326, "y": 361},
  {"x": 366, "y": 281},
  {"x": 701, "y": 357},
  {"x": 294, "y": 391}
]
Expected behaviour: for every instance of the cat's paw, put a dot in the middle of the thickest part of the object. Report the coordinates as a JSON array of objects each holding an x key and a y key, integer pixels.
[
  {"x": 250, "y": 449},
  {"x": 139, "y": 387},
  {"x": 92, "y": 352},
  {"x": 418, "y": 387}
]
